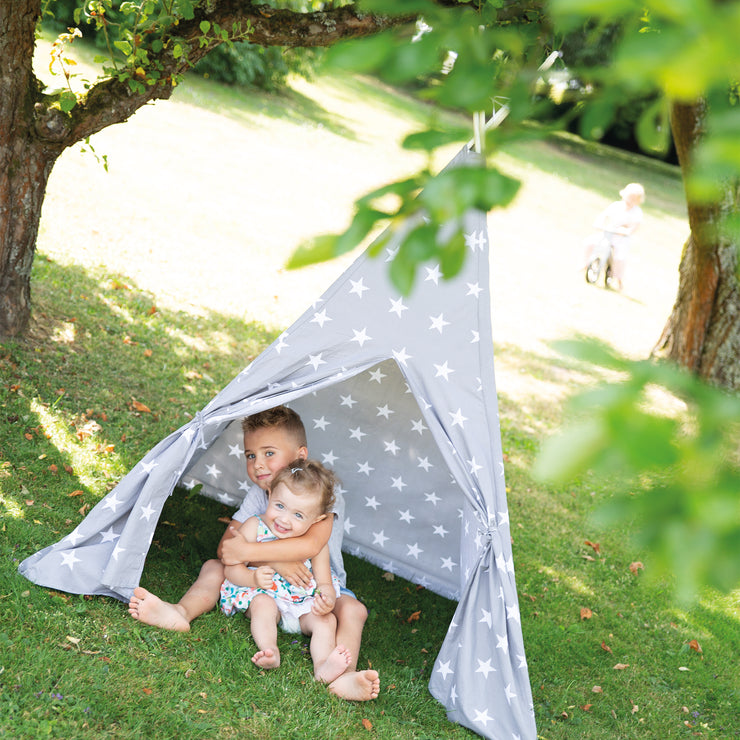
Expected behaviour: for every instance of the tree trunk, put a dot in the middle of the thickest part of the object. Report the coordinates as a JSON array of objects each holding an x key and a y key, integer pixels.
[
  {"x": 25, "y": 163},
  {"x": 702, "y": 333}
]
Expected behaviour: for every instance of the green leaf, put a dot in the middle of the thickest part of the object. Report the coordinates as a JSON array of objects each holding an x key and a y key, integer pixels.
[
  {"x": 67, "y": 101},
  {"x": 433, "y": 138},
  {"x": 205, "y": 27},
  {"x": 318, "y": 249},
  {"x": 653, "y": 128},
  {"x": 123, "y": 46},
  {"x": 177, "y": 51},
  {"x": 367, "y": 55}
]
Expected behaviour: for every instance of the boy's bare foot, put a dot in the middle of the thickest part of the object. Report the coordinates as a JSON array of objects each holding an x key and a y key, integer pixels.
[
  {"x": 334, "y": 666},
  {"x": 357, "y": 686},
  {"x": 266, "y": 658},
  {"x": 150, "y": 609}
]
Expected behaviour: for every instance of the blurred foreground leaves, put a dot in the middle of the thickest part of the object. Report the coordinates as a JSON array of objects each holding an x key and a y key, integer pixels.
[{"x": 670, "y": 445}]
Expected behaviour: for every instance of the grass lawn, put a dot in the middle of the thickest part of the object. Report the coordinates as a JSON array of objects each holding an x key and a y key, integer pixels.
[{"x": 156, "y": 282}]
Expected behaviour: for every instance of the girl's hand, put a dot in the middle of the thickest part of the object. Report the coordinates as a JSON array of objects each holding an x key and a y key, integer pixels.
[
  {"x": 263, "y": 577},
  {"x": 324, "y": 600},
  {"x": 296, "y": 573}
]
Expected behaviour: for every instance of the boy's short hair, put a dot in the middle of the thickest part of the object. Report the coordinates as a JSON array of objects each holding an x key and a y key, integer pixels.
[
  {"x": 279, "y": 417},
  {"x": 309, "y": 476}
]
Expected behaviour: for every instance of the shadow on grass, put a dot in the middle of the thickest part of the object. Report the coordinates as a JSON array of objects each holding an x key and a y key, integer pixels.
[
  {"x": 250, "y": 106},
  {"x": 103, "y": 375}
]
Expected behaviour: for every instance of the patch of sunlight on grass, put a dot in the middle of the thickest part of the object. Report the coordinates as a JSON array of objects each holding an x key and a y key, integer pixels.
[
  {"x": 85, "y": 457},
  {"x": 728, "y": 605},
  {"x": 13, "y": 510},
  {"x": 570, "y": 581},
  {"x": 116, "y": 309},
  {"x": 64, "y": 333},
  {"x": 196, "y": 343}
]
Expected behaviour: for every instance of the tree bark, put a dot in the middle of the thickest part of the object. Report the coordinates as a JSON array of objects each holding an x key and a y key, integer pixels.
[
  {"x": 25, "y": 162},
  {"x": 702, "y": 333}
]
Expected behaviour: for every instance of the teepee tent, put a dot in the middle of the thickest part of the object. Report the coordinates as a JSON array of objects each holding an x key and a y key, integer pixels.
[{"x": 398, "y": 396}]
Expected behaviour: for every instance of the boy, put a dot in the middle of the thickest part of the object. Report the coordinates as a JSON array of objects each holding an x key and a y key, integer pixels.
[{"x": 271, "y": 440}]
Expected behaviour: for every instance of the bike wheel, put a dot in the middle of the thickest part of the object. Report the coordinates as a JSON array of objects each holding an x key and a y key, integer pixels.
[{"x": 593, "y": 270}]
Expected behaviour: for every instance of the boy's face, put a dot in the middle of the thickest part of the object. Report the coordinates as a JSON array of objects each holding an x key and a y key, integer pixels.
[
  {"x": 267, "y": 451},
  {"x": 289, "y": 514}
]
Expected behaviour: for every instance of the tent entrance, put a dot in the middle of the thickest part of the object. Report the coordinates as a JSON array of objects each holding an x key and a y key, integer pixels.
[{"x": 402, "y": 504}]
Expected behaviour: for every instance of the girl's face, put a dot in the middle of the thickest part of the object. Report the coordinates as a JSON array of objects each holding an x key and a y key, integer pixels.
[
  {"x": 267, "y": 451},
  {"x": 291, "y": 515}
]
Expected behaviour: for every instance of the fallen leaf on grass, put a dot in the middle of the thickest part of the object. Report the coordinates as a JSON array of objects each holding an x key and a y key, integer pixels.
[
  {"x": 694, "y": 645},
  {"x": 597, "y": 690},
  {"x": 634, "y": 567},
  {"x": 389, "y": 576},
  {"x": 148, "y": 353},
  {"x": 683, "y": 668},
  {"x": 635, "y": 708},
  {"x": 586, "y": 707},
  {"x": 596, "y": 546},
  {"x": 604, "y": 646},
  {"x": 147, "y": 691},
  {"x": 621, "y": 666},
  {"x": 414, "y": 617},
  {"x": 76, "y": 493},
  {"x": 586, "y": 613},
  {"x": 367, "y": 724},
  {"x": 138, "y": 406},
  {"x": 74, "y": 640}
]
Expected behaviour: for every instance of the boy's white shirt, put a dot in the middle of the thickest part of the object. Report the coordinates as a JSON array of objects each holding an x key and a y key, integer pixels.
[{"x": 255, "y": 504}]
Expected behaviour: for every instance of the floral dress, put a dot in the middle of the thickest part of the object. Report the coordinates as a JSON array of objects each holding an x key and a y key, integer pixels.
[{"x": 292, "y": 601}]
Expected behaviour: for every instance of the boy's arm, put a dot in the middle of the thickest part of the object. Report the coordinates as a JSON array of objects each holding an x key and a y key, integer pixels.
[
  {"x": 238, "y": 550},
  {"x": 325, "y": 597}
]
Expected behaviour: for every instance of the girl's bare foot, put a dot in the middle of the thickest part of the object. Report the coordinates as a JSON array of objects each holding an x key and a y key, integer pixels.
[
  {"x": 357, "y": 686},
  {"x": 150, "y": 609},
  {"x": 266, "y": 658},
  {"x": 334, "y": 666}
]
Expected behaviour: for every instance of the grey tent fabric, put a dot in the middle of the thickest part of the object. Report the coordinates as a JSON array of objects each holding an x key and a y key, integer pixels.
[{"x": 398, "y": 396}]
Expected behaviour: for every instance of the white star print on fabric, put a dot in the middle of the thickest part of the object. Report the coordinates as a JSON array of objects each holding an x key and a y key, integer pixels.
[
  {"x": 444, "y": 669},
  {"x": 485, "y": 667},
  {"x": 146, "y": 512},
  {"x": 414, "y": 550},
  {"x": 401, "y": 356},
  {"x": 443, "y": 371},
  {"x": 235, "y": 451},
  {"x": 474, "y": 289},
  {"x": 73, "y": 537},
  {"x": 458, "y": 420},
  {"x": 486, "y": 618},
  {"x": 432, "y": 498},
  {"x": 392, "y": 447},
  {"x": 475, "y": 241},
  {"x": 482, "y": 717},
  {"x": 418, "y": 426},
  {"x": 397, "y": 307},
  {"x": 348, "y": 401},
  {"x": 149, "y": 466},
  {"x": 438, "y": 323},
  {"x": 358, "y": 287},
  {"x": 385, "y": 412},
  {"x": 433, "y": 274},
  {"x": 69, "y": 559},
  {"x": 379, "y": 538},
  {"x": 321, "y": 423},
  {"x": 372, "y": 502},
  {"x": 377, "y": 375},
  {"x": 406, "y": 516},
  {"x": 320, "y": 318},
  {"x": 329, "y": 458},
  {"x": 213, "y": 471},
  {"x": 360, "y": 337},
  {"x": 316, "y": 361},
  {"x": 424, "y": 463},
  {"x": 281, "y": 343},
  {"x": 364, "y": 468},
  {"x": 111, "y": 502},
  {"x": 357, "y": 434},
  {"x": 398, "y": 483},
  {"x": 109, "y": 535},
  {"x": 440, "y": 530}
]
